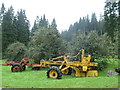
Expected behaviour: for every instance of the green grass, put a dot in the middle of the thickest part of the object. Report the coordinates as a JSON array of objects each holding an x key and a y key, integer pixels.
[
  {"x": 38, "y": 79},
  {"x": 0, "y": 73}
]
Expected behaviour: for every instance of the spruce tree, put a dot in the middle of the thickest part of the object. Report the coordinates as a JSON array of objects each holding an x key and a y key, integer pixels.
[
  {"x": 94, "y": 23},
  {"x": 53, "y": 24},
  {"x": 8, "y": 33},
  {"x": 110, "y": 18},
  {"x": 22, "y": 25}
]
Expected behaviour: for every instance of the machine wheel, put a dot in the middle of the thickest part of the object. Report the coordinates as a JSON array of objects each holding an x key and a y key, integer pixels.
[
  {"x": 94, "y": 68},
  {"x": 54, "y": 72},
  {"x": 67, "y": 71},
  {"x": 24, "y": 68},
  {"x": 16, "y": 68},
  {"x": 117, "y": 70}
]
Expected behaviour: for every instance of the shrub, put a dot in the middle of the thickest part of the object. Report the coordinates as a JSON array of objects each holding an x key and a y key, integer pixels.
[
  {"x": 15, "y": 52},
  {"x": 45, "y": 44},
  {"x": 102, "y": 63},
  {"x": 97, "y": 46}
]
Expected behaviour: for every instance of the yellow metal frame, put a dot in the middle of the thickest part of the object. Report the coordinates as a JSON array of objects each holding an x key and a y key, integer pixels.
[{"x": 85, "y": 65}]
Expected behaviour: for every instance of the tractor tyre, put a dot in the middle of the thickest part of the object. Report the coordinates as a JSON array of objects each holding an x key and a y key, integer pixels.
[
  {"x": 16, "y": 68},
  {"x": 23, "y": 67},
  {"x": 117, "y": 70},
  {"x": 70, "y": 71},
  {"x": 94, "y": 68},
  {"x": 54, "y": 72},
  {"x": 67, "y": 71}
]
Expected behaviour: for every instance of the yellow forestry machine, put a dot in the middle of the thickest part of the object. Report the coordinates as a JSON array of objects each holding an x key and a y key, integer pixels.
[{"x": 83, "y": 68}]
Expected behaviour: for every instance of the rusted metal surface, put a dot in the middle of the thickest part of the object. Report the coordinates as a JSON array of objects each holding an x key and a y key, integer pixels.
[{"x": 24, "y": 61}]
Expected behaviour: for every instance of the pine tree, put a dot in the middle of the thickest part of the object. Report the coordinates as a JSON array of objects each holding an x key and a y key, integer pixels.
[
  {"x": 35, "y": 26},
  {"x": 22, "y": 26},
  {"x": 110, "y": 18},
  {"x": 94, "y": 23},
  {"x": 8, "y": 33},
  {"x": 53, "y": 24},
  {"x": 2, "y": 12},
  {"x": 119, "y": 29}
]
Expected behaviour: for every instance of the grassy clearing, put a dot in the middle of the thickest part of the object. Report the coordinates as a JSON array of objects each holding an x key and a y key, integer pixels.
[
  {"x": 0, "y": 73},
  {"x": 38, "y": 79}
]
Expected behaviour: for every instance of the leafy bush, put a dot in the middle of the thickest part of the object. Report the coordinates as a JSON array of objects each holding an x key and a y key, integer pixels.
[
  {"x": 45, "y": 44},
  {"x": 102, "y": 63},
  {"x": 15, "y": 52},
  {"x": 97, "y": 46}
]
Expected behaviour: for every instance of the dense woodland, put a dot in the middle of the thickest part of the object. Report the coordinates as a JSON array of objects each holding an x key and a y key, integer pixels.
[{"x": 98, "y": 37}]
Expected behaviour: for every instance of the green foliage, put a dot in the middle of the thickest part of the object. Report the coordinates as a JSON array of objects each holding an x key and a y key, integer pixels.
[
  {"x": 22, "y": 27},
  {"x": 14, "y": 28},
  {"x": 110, "y": 18},
  {"x": 94, "y": 22},
  {"x": 42, "y": 23},
  {"x": 84, "y": 24},
  {"x": 15, "y": 52},
  {"x": 45, "y": 44},
  {"x": 34, "y": 28},
  {"x": 2, "y": 11},
  {"x": 53, "y": 24},
  {"x": 8, "y": 31},
  {"x": 102, "y": 63},
  {"x": 97, "y": 46}
]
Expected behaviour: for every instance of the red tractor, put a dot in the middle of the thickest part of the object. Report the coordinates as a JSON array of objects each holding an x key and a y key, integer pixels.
[
  {"x": 18, "y": 67},
  {"x": 21, "y": 66}
]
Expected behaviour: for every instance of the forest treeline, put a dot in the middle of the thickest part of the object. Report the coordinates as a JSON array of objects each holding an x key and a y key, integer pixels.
[{"x": 98, "y": 37}]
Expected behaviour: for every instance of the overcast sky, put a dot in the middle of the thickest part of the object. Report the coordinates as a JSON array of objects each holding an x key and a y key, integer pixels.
[{"x": 65, "y": 12}]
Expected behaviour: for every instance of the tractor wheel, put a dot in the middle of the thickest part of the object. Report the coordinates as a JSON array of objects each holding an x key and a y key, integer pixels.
[
  {"x": 67, "y": 71},
  {"x": 23, "y": 67},
  {"x": 16, "y": 68},
  {"x": 94, "y": 68},
  {"x": 117, "y": 70},
  {"x": 54, "y": 72}
]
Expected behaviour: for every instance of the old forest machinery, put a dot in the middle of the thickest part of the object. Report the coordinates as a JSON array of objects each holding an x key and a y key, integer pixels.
[
  {"x": 60, "y": 65},
  {"x": 20, "y": 66},
  {"x": 83, "y": 68}
]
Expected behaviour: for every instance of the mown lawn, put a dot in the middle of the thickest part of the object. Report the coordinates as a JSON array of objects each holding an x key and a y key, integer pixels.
[{"x": 38, "y": 79}]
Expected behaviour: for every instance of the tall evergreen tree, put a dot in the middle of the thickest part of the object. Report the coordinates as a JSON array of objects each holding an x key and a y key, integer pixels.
[
  {"x": 35, "y": 26},
  {"x": 8, "y": 33},
  {"x": 87, "y": 23},
  {"x": 22, "y": 26},
  {"x": 43, "y": 22},
  {"x": 94, "y": 23},
  {"x": 53, "y": 24},
  {"x": 110, "y": 18},
  {"x": 119, "y": 29},
  {"x": 2, "y": 11}
]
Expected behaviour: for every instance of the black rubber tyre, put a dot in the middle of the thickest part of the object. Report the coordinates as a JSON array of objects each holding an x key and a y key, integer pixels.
[
  {"x": 117, "y": 70},
  {"x": 56, "y": 73},
  {"x": 94, "y": 68},
  {"x": 16, "y": 68},
  {"x": 69, "y": 72},
  {"x": 24, "y": 68}
]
